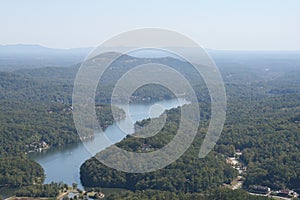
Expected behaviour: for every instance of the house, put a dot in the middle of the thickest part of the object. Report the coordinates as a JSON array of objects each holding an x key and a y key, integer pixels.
[
  {"x": 146, "y": 147},
  {"x": 287, "y": 193},
  {"x": 259, "y": 189},
  {"x": 238, "y": 153},
  {"x": 101, "y": 195},
  {"x": 284, "y": 193},
  {"x": 232, "y": 161}
]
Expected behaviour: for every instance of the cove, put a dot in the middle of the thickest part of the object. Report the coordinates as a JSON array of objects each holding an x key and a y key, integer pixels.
[{"x": 63, "y": 163}]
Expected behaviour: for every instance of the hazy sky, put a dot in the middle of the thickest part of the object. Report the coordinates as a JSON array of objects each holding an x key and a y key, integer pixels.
[{"x": 216, "y": 24}]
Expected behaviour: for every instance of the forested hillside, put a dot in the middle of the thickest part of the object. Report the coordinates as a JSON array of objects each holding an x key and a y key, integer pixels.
[
  {"x": 217, "y": 194},
  {"x": 36, "y": 113},
  {"x": 187, "y": 174},
  {"x": 19, "y": 171},
  {"x": 262, "y": 122}
]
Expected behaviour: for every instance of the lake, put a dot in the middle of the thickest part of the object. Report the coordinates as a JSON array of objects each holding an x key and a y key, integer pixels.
[{"x": 63, "y": 163}]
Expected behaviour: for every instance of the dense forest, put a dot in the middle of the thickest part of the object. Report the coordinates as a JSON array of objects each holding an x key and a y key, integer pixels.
[
  {"x": 19, "y": 171},
  {"x": 187, "y": 174},
  {"x": 45, "y": 190},
  {"x": 38, "y": 102},
  {"x": 266, "y": 130},
  {"x": 262, "y": 122},
  {"x": 36, "y": 113},
  {"x": 217, "y": 194},
  {"x": 25, "y": 125}
]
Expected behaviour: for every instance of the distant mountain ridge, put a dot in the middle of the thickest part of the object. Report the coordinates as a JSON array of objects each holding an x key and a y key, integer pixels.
[
  {"x": 38, "y": 49},
  {"x": 29, "y": 56},
  {"x": 23, "y": 56}
]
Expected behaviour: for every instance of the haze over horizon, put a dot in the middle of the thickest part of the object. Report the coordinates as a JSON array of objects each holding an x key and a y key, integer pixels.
[
  {"x": 89, "y": 48},
  {"x": 216, "y": 24}
]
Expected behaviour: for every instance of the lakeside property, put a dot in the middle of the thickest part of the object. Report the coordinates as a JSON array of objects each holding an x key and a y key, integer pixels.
[
  {"x": 65, "y": 192},
  {"x": 260, "y": 190}
]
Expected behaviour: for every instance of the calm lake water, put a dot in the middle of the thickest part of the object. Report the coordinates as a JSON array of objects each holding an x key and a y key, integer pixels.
[{"x": 63, "y": 163}]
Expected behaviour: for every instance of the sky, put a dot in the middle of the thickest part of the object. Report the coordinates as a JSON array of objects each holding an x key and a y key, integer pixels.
[{"x": 213, "y": 24}]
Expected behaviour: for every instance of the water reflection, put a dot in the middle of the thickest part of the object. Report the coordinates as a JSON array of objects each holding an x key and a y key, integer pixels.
[{"x": 63, "y": 163}]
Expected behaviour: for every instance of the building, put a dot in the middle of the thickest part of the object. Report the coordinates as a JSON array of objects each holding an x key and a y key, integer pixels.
[{"x": 259, "y": 189}]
